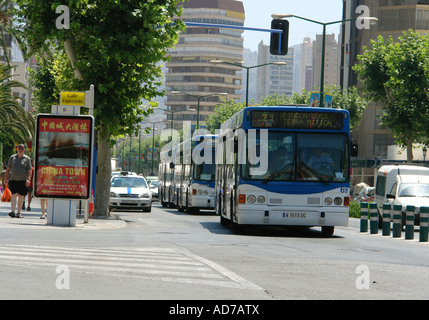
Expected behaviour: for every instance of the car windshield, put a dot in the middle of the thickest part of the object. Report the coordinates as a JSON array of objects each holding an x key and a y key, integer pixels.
[
  {"x": 414, "y": 190},
  {"x": 128, "y": 182}
]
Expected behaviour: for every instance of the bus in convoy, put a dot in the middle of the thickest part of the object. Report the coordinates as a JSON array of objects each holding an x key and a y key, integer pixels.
[
  {"x": 194, "y": 180},
  {"x": 165, "y": 178},
  {"x": 186, "y": 180},
  {"x": 284, "y": 165}
]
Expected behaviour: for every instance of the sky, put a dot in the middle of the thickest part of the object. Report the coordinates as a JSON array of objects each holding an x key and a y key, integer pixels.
[{"x": 258, "y": 15}]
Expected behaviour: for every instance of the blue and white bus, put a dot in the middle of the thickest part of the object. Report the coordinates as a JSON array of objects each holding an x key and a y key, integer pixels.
[
  {"x": 284, "y": 165},
  {"x": 194, "y": 174}
]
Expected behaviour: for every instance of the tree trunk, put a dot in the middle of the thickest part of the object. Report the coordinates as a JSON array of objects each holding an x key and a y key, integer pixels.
[
  {"x": 68, "y": 45},
  {"x": 410, "y": 151},
  {"x": 104, "y": 170}
]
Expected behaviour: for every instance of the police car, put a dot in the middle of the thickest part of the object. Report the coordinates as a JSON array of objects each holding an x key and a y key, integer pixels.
[{"x": 130, "y": 191}]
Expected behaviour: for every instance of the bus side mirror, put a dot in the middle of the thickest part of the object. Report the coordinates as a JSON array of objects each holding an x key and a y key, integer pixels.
[
  {"x": 171, "y": 165},
  {"x": 355, "y": 150},
  {"x": 235, "y": 146}
]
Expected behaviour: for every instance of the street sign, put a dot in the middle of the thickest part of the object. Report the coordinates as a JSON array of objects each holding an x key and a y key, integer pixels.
[{"x": 72, "y": 98}]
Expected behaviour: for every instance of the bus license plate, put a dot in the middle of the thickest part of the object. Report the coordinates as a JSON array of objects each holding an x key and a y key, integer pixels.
[{"x": 294, "y": 215}]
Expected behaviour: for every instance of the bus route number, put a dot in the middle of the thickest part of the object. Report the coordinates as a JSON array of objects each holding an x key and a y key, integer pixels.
[{"x": 344, "y": 189}]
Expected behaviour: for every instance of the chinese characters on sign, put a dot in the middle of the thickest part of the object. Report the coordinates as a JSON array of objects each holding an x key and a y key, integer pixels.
[{"x": 63, "y": 156}]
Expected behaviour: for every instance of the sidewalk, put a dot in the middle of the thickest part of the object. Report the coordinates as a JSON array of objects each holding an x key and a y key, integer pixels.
[{"x": 31, "y": 219}]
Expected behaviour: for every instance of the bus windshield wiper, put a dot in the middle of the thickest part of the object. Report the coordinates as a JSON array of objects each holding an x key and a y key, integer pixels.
[
  {"x": 313, "y": 173},
  {"x": 278, "y": 172}
]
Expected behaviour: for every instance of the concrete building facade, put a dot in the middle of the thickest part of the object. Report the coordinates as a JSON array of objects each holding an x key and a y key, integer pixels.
[{"x": 190, "y": 74}]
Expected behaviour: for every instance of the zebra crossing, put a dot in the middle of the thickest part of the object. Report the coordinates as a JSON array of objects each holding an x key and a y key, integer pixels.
[{"x": 158, "y": 264}]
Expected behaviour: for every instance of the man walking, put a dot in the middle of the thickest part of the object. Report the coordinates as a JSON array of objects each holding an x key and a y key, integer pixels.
[{"x": 17, "y": 177}]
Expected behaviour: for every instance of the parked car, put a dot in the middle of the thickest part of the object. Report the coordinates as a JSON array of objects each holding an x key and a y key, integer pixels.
[
  {"x": 153, "y": 185},
  {"x": 130, "y": 191},
  {"x": 403, "y": 185}
]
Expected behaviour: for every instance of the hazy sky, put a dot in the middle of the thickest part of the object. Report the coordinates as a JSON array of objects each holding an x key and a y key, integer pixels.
[{"x": 258, "y": 15}]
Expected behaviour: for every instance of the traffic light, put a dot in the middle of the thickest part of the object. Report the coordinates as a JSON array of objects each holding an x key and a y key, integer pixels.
[{"x": 279, "y": 24}]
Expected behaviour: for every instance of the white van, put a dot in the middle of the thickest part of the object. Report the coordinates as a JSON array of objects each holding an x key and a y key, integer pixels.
[{"x": 404, "y": 185}]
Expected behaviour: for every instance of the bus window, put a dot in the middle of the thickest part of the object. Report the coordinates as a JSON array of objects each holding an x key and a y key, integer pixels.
[
  {"x": 303, "y": 157},
  {"x": 321, "y": 157}
]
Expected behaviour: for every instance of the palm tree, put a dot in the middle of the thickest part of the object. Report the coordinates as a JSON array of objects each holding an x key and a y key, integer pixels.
[{"x": 14, "y": 120}]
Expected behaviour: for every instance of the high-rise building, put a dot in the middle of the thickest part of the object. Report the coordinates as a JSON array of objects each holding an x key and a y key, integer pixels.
[
  {"x": 394, "y": 18},
  {"x": 306, "y": 65},
  {"x": 274, "y": 79},
  {"x": 331, "y": 72},
  {"x": 190, "y": 74}
]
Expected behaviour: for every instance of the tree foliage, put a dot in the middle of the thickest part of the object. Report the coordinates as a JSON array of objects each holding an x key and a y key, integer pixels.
[
  {"x": 396, "y": 73},
  {"x": 223, "y": 112},
  {"x": 14, "y": 120},
  {"x": 114, "y": 45}
]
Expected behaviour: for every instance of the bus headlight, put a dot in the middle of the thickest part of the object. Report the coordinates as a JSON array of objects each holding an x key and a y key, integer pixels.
[
  {"x": 328, "y": 201},
  {"x": 200, "y": 192},
  {"x": 261, "y": 199},
  {"x": 206, "y": 192},
  {"x": 338, "y": 201},
  {"x": 251, "y": 199}
]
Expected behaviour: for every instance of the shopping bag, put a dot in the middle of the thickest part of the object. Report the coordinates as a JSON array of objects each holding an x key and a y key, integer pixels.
[{"x": 7, "y": 195}]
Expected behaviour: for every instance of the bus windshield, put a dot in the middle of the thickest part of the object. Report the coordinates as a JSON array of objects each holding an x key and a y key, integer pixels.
[
  {"x": 206, "y": 170},
  {"x": 310, "y": 157}
]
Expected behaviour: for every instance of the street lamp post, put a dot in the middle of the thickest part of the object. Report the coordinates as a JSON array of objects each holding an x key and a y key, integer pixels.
[
  {"x": 198, "y": 97},
  {"x": 153, "y": 143},
  {"x": 324, "y": 24},
  {"x": 278, "y": 63}
]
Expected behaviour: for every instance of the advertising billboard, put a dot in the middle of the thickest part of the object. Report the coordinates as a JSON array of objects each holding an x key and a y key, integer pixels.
[{"x": 63, "y": 156}]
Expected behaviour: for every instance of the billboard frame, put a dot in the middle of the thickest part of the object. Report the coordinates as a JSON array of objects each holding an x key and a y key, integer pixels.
[{"x": 57, "y": 176}]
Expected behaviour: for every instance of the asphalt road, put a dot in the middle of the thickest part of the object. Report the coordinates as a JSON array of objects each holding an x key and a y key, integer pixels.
[{"x": 168, "y": 255}]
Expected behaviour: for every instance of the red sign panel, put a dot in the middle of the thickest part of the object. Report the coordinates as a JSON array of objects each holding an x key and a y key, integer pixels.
[{"x": 63, "y": 156}]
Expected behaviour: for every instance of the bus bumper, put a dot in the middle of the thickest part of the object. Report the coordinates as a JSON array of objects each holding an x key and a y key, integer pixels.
[
  {"x": 321, "y": 216},
  {"x": 203, "y": 202}
]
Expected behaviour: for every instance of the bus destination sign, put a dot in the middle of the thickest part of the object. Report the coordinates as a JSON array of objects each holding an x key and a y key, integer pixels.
[{"x": 297, "y": 120}]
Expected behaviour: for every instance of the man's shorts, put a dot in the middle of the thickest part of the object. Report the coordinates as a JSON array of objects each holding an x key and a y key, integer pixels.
[{"x": 18, "y": 187}]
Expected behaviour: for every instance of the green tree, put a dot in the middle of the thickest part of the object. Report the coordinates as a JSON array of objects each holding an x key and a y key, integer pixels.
[
  {"x": 5, "y": 27},
  {"x": 350, "y": 100},
  {"x": 45, "y": 92},
  {"x": 114, "y": 45},
  {"x": 397, "y": 75},
  {"x": 223, "y": 112},
  {"x": 14, "y": 120}
]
